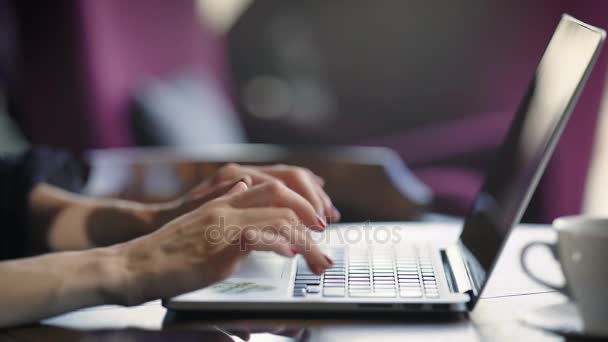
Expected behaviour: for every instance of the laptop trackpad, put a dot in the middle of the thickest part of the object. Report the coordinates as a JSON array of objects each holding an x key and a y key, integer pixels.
[
  {"x": 261, "y": 276},
  {"x": 263, "y": 265}
]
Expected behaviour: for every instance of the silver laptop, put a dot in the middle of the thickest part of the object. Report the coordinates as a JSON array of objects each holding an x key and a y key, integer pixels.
[{"x": 395, "y": 271}]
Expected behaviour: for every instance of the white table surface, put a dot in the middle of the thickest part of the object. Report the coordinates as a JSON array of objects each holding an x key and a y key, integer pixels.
[{"x": 508, "y": 295}]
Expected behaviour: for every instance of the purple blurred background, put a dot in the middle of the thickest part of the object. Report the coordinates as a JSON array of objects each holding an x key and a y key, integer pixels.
[{"x": 437, "y": 81}]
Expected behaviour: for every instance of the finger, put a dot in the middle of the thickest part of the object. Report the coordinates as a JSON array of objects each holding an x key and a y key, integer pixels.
[
  {"x": 272, "y": 214},
  {"x": 331, "y": 212},
  {"x": 276, "y": 194},
  {"x": 301, "y": 180},
  {"x": 282, "y": 168},
  {"x": 227, "y": 185},
  {"x": 328, "y": 206},
  {"x": 295, "y": 234},
  {"x": 239, "y": 187},
  {"x": 226, "y": 172},
  {"x": 255, "y": 239},
  {"x": 320, "y": 181},
  {"x": 304, "y": 182},
  {"x": 231, "y": 171},
  {"x": 219, "y": 190},
  {"x": 302, "y": 242}
]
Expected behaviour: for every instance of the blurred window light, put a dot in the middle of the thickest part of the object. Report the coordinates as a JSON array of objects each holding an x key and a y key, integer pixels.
[{"x": 220, "y": 15}]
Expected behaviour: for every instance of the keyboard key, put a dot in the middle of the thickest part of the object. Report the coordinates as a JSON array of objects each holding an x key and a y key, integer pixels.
[
  {"x": 313, "y": 289},
  {"x": 410, "y": 294},
  {"x": 333, "y": 292},
  {"x": 384, "y": 287},
  {"x": 358, "y": 278},
  {"x": 407, "y": 276},
  {"x": 334, "y": 283},
  {"x": 358, "y": 283},
  {"x": 330, "y": 271},
  {"x": 303, "y": 280},
  {"x": 335, "y": 276},
  {"x": 306, "y": 276},
  {"x": 383, "y": 294}
]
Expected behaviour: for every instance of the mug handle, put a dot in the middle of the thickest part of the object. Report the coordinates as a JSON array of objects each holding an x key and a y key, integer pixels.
[{"x": 562, "y": 289}]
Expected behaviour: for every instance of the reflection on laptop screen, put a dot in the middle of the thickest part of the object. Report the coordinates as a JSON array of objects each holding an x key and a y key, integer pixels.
[{"x": 530, "y": 141}]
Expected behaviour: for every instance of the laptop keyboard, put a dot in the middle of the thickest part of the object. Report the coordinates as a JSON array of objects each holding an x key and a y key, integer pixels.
[{"x": 371, "y": 272}]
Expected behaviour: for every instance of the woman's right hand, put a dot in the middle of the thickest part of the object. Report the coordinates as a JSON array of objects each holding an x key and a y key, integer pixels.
[{"x": 207, "y": 245}]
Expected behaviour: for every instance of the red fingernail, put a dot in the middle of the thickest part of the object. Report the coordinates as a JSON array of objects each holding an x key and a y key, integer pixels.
[
  {"x": 294, "y": 251},
  {"x": 321, "y": 221},
  {"x": 331, "y": 262}
]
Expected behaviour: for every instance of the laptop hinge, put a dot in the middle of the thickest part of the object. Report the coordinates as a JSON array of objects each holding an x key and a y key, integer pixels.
[{"x": 457, "y": 270}]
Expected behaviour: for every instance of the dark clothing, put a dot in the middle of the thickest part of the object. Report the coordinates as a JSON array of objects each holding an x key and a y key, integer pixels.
[{"x": 18, "y": 175}]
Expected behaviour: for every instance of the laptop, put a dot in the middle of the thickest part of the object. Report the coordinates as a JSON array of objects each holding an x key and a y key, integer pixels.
[{"x": 397, "y": 272}]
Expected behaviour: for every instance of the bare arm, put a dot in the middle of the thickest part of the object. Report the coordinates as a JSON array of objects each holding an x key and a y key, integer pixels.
[
  {"x": 39, "y": 287},
  {"x": 174, "y": 259},
  {"x": 62, "y": 221}
]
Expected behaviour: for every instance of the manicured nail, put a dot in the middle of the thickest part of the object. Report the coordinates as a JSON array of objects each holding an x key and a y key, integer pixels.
[
  {"x": 336, "y": 213},
  {"x": 329, "y": 261},
  {"x": 321, "y": 221},
  {"x": 319, "y": 179},
  {"x": 294, "y": 251}
]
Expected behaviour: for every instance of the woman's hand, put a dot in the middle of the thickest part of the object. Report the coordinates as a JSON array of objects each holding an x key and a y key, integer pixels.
[
  {"x": 301, "y": 180},
  {"x": 208, "y": 244}
]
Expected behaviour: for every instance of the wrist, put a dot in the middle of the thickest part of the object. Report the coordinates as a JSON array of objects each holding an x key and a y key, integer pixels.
[
  {"x": 159, "y": 214},
  {"x": 116, "y": 281}
]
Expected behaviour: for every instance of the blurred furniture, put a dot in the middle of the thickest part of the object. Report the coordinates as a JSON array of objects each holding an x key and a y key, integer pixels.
[
  {"x": 418, "y": 77},
  {"x": 365, "y": 183},
  {"x": 361, "y": 72},
  {"x": 81, "y": 63},
  {"x": 508, "y": 295}
]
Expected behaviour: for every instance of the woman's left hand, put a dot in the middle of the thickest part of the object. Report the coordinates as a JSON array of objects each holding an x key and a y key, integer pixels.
[{"x": 301, "y": 180}]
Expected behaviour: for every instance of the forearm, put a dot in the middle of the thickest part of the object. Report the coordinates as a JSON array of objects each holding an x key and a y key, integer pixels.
[
  {"x": 44, "y": 286},
  {"x": 65, "y": 221}
]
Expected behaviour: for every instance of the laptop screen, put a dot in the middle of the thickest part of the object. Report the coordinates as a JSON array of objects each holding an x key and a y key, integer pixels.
[{"x": 535, "y": 130}]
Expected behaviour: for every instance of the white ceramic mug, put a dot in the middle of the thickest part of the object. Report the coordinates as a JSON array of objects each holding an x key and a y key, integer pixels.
[{"x": 582, "y": 251}]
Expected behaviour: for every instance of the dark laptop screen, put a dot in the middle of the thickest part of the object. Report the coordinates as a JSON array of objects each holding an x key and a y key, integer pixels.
[{"x": 529, "y": 143}]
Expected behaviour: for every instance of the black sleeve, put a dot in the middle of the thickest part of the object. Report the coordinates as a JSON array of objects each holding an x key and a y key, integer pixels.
[{"x": 18, "y": 175}]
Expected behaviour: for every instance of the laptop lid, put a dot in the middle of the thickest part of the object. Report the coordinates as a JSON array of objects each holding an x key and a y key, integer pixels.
[{"x": 528, "y": 145}]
